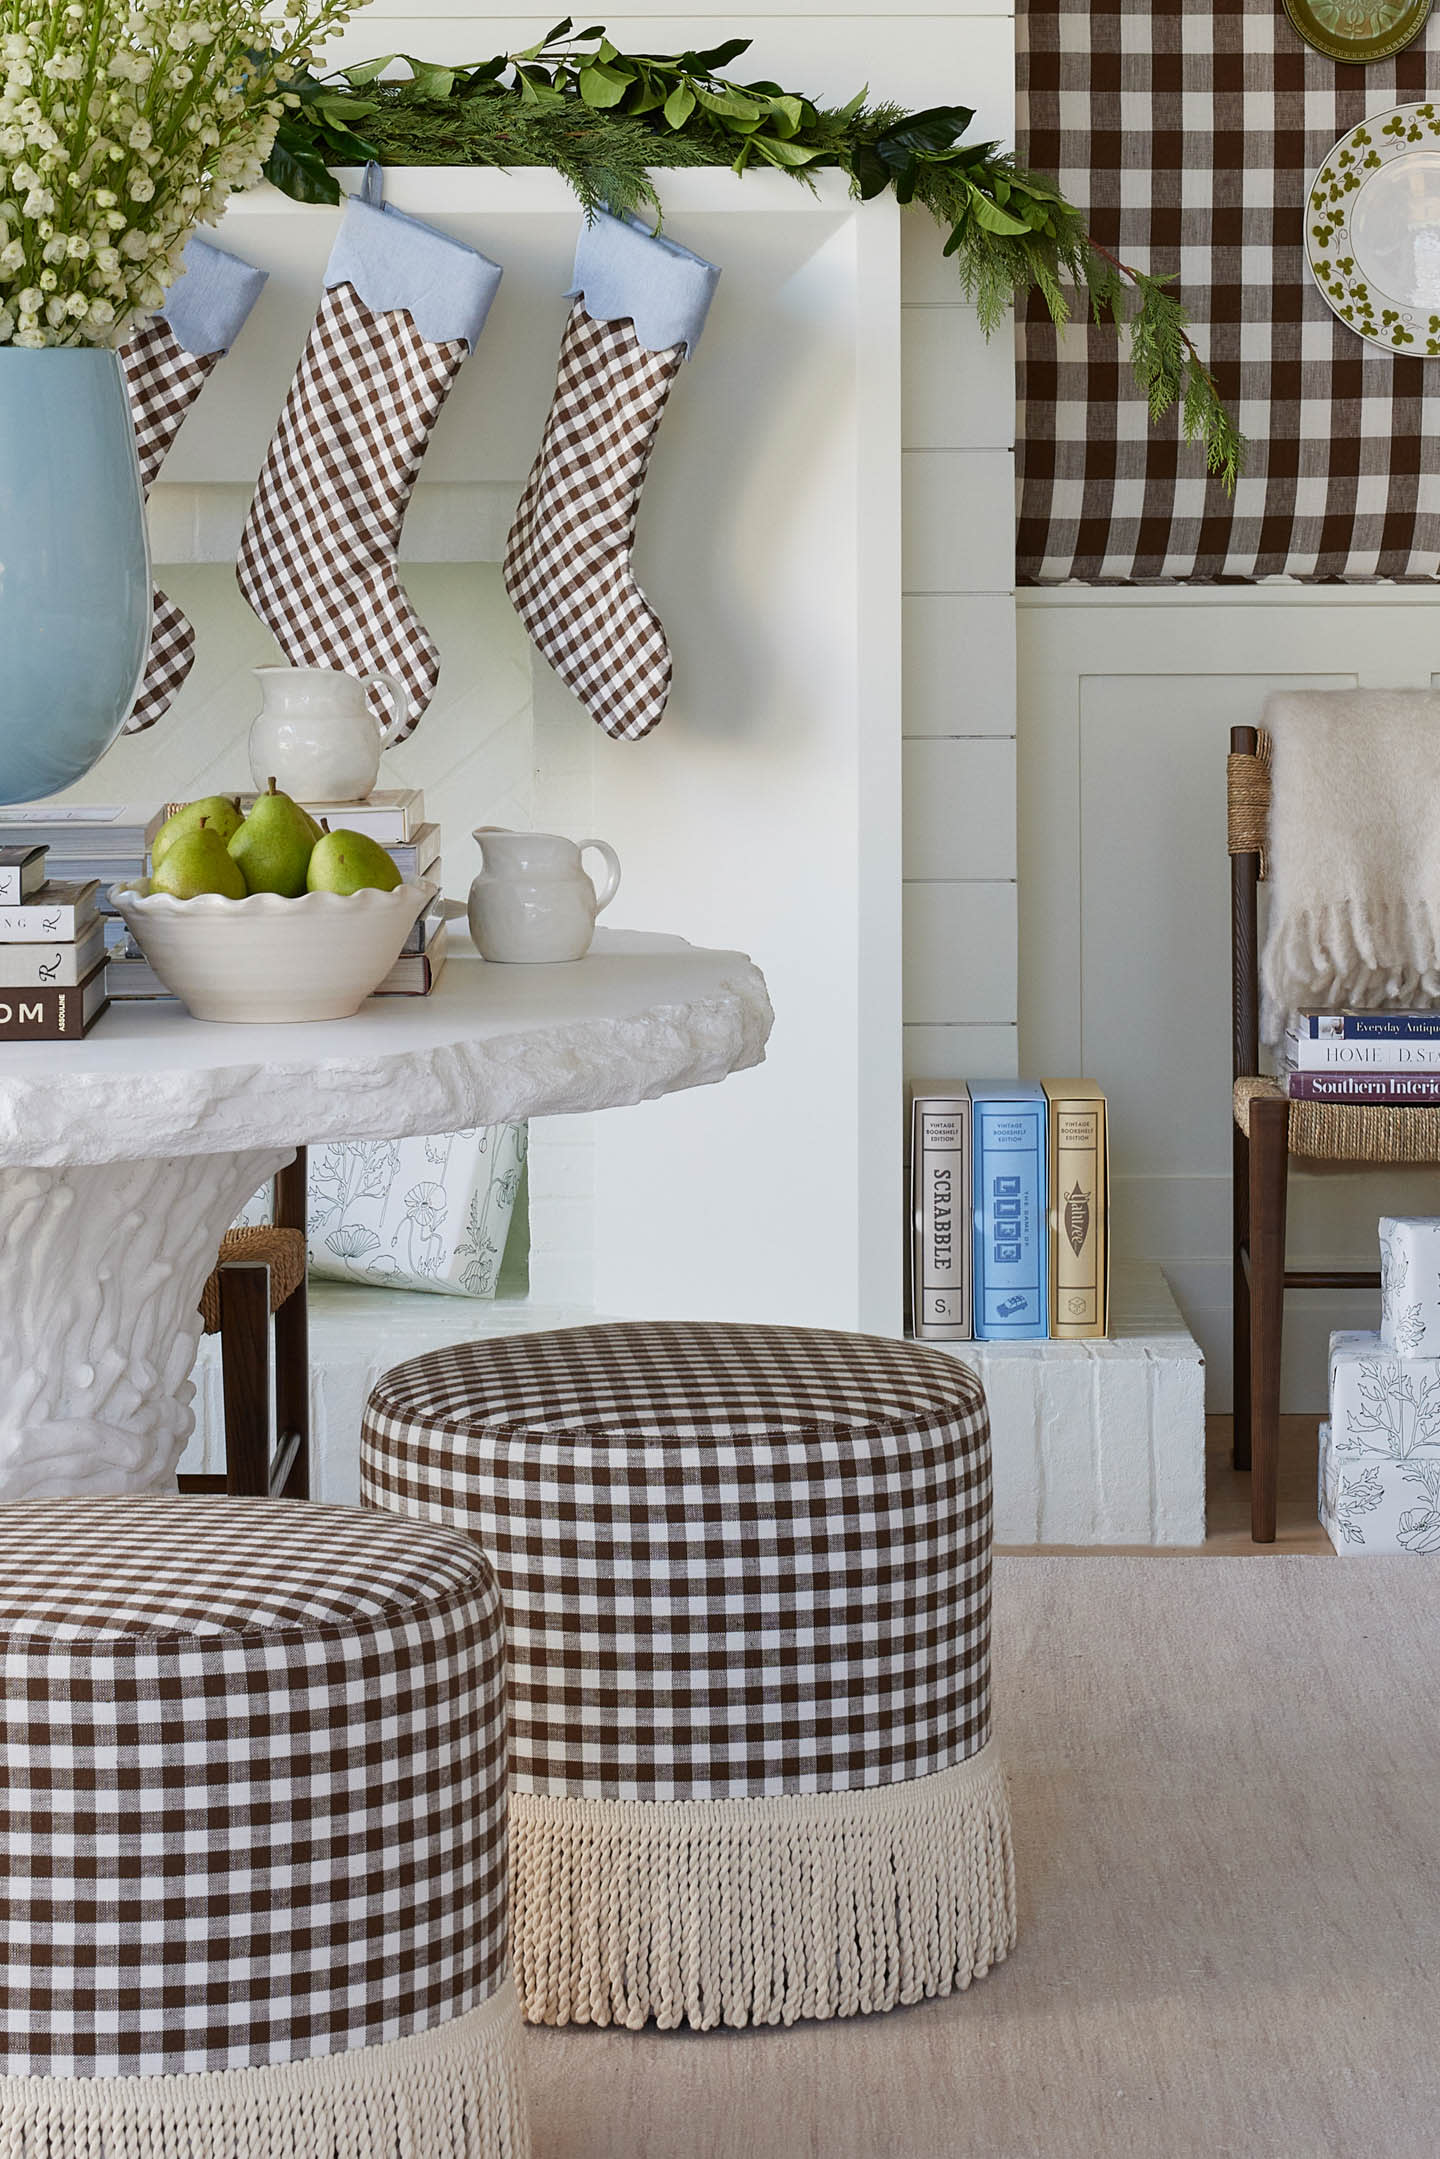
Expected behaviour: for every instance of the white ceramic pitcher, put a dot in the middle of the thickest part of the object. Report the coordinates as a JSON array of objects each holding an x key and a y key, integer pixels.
[
  {"x": 533, "y": 899},
  {"x": 317, "y": 735}
]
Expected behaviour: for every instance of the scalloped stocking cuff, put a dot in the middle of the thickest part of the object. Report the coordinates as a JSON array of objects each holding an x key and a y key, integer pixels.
[{"x": 640, "y": 306}]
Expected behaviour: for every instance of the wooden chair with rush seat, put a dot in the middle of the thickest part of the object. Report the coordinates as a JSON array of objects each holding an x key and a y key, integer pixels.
[
  {"x": 1270, "y": 1132},
  {"x": 260, "y": 1279}
]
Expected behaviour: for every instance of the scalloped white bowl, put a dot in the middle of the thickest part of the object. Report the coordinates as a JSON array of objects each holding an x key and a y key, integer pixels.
[{"x": 268, "y": 958}]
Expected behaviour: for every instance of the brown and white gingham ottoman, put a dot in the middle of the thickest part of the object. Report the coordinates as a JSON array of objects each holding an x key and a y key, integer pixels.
[
  {"x": 746, "y": 1573},
  {"x": 252, "y": 1836}
]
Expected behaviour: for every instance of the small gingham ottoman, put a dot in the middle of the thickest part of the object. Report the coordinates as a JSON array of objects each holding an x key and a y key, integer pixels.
[
  {"x": 746, "y": 1573},
  {"x": 252, "y": 1836}
]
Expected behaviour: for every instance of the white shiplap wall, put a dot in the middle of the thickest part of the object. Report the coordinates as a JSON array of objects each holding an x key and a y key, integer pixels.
[{"x": 958, "y": 420}]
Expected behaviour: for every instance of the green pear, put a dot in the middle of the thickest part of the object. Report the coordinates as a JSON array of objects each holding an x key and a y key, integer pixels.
[
  {"x": 221, "y": 813},
  {"x": 274, "y": 844},
  {"x": 350, "y": 862},
  {"x": 199, "y": 862}
]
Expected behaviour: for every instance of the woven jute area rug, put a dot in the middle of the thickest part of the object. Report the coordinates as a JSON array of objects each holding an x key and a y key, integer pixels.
[{"x": 1226, "y": 1778}]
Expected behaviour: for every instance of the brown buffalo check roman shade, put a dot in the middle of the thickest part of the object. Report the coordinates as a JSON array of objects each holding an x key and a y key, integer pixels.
[{"x": 1188, "y": 134}]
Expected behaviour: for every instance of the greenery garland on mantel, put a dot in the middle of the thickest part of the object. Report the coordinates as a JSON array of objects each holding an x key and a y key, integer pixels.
[{"x": 604, "y": 119}]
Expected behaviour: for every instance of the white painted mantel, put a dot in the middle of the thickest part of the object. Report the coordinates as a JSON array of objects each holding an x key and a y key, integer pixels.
[{"x": 765, "y": 811}]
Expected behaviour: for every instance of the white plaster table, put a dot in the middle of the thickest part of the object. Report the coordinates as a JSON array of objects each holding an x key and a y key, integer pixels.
[{"x": 125, "y": 1157}]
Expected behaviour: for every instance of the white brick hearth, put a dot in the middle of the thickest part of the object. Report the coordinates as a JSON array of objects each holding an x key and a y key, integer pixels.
[
  {"x": 1100, "y": 1442},
  {"x": 1095, "y": 1442}
]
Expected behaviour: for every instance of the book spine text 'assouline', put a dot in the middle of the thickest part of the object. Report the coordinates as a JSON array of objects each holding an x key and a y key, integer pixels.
[
  {"x": 1388, "y": 1089},
  {"x": 940, "y": 1265},
  {"x": 1011, "y": 1246},
  {"x": 52, "y": 1015}
]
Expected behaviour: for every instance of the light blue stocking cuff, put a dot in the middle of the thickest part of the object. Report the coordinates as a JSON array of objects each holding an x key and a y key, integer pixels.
[
  {"x": 623, "y": 270},
  {"x": 211, "y": 297},
  {"x": 395, "y": 261}
]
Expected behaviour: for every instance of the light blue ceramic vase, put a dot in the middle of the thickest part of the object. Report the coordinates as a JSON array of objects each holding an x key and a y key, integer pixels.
[{"x": 75, "y": 603}]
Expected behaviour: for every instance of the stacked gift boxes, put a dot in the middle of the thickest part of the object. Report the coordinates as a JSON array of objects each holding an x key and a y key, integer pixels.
[{"x": 1380, "y": 1451}]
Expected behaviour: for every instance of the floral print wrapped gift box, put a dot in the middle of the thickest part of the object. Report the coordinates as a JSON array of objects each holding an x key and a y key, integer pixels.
[
  {"x": 1380, "y": 1452},
  {"x": 428, "y": 1214}
]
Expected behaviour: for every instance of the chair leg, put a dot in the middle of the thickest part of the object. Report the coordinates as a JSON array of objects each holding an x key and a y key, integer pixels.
[
  {"x": 1240, "y": 1209},
  {"x": 1269, "y": 1170},
  {"x": 245, "y": 1371},
  {"x": 292, "y": 1391}
]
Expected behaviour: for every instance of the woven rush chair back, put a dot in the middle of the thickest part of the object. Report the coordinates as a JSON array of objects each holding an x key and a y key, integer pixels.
[{"x": 1248, "y": 789}]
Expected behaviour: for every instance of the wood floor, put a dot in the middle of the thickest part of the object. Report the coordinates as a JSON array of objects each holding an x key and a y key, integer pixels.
[{"x": 1227, "y": 1500}]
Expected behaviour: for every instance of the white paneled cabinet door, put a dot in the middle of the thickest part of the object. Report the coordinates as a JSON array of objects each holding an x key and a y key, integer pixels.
[{"x": 1126, "y": 703}]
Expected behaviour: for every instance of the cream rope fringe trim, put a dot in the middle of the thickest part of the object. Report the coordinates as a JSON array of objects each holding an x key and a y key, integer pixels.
[
  {"x": 451, "y": 2093},
  {"x": 759, "y": 1911}
]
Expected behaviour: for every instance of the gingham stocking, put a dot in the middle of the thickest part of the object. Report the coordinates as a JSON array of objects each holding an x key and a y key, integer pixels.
[
  {"x": 207, "y": 305},
  {"x": 567, "y": 561},
  {"x": 318, "y": 557},
  {"x": 164, "y": 381},
  {"x": 318, "y": 554},
  {"x": 640, "y": 307}
]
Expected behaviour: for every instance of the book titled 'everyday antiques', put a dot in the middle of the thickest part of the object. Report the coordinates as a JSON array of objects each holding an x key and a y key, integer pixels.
[{"x": 1079, "y": 1211}]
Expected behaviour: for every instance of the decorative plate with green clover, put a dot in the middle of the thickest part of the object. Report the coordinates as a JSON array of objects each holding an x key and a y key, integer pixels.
[
  {"x": 1372, "y": 230},
  {"x": 1357, "y": 31}
]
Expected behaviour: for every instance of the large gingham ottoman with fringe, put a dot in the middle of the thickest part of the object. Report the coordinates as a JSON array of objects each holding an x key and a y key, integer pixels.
[
  {"x": 252, "y": 1836},
  {"x": 746, "y": 1573}
]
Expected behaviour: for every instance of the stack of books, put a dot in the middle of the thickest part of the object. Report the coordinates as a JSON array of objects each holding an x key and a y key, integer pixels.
[
  {"x": 1009, "y": 1197},
  {"x": 1386, "y": 1057},
  {"x": 84, "y": 841},
  {"x": 52, "y": 950},
  {"x": 396, "y": 820}
]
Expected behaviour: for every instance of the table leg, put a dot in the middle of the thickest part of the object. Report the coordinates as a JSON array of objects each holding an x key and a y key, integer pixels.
[{"x": 101, "y": 1270}]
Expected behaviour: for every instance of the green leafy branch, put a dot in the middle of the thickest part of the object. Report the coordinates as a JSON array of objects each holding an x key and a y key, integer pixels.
[{"x": 604, "y": 119}]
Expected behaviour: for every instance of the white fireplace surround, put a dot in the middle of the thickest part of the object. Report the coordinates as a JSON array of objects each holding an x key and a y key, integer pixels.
[{"x": 765, "y": 811}]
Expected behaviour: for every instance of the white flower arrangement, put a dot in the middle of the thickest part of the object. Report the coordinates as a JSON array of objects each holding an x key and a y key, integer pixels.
[{"x": 124, "y": 124}]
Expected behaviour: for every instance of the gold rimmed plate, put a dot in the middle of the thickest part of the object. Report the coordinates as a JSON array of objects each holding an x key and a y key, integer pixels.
[{"x": 1358, "y": 31}]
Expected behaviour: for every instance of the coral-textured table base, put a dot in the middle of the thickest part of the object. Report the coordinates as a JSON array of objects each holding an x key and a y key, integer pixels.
[{"x": 124, "y": 1158}]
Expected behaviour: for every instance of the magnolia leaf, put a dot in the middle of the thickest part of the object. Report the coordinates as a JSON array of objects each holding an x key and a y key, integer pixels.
[
  {"x": 991, "y": 218},
  {"x": 428, "y": 79},
  {"x": 869, "y": 171},
  {"x": 679, "y": 105},
  {"x": 299, "y": 171},
  {"x": 341, "y": 113},
  {"x": 924, "y": 134},
  {"x": 729, "y": 105},
  {"x": 705, "y": 63},
  {"x": 601, "y": 86},
  {"x": 792, "y": 154},
  {"x": 563, "y": 29},
  {"x": 364, "y": 73}
]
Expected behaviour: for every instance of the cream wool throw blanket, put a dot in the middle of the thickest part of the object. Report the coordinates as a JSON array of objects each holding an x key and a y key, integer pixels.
[{"x": 1354, "y": 859}]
